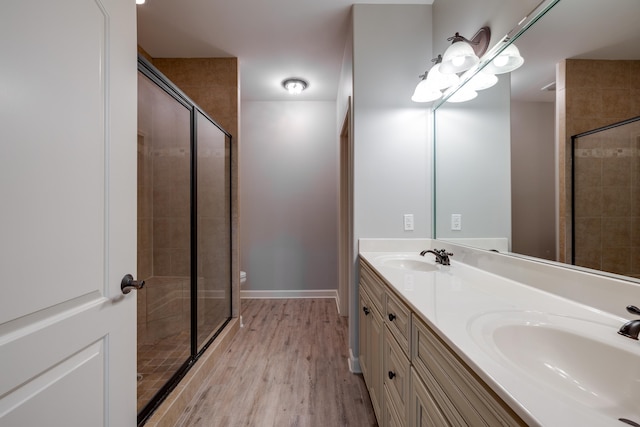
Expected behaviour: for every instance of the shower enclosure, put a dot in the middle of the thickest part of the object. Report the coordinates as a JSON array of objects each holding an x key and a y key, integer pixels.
[
  {"x": 605, "y": 211},
  {"x": 184, "y": 234}
]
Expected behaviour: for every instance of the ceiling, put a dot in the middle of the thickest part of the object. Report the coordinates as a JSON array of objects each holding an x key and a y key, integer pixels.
[
  {"x": 272, "y": 39},
  {"x": 577, "y": 29},
  {"x": 277, "y": 39}
]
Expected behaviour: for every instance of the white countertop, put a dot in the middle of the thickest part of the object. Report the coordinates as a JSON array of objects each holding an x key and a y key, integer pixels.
[{"x": 461, "y": 302}]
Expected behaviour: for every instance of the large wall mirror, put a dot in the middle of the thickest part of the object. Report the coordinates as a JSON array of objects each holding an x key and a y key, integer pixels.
[{"x": 503, "y": 177}]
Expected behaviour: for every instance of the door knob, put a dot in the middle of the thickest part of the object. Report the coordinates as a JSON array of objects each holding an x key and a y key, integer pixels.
[{"x": 128, "y": 284}]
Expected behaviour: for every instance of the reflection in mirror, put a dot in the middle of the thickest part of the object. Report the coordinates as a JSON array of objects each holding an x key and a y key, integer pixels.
[
  {"x": 502, "y": 160},
  {"x": 606, "y": 198}
]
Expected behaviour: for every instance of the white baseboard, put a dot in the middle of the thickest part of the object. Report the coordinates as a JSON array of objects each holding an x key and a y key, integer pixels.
[
  {"x": 286, "y": 294},
  {"x": 354, "y": 363}
]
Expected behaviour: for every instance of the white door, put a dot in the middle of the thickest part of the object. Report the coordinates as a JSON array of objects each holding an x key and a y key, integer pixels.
[{"x": 67, "y": 212}]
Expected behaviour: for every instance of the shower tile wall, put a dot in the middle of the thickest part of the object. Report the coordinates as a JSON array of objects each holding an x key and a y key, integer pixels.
[
  {"x": 145, "y": 229},
  {"x": 590, "y": 94},
  {"x": 163, "y": 219},
  {"x": 213, "y": 84},
  {"x": 607, "y": 200}
]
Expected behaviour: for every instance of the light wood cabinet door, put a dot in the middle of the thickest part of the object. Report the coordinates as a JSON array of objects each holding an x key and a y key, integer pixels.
[
  {"x": 363, "y": 338},
  {"x": 423, "y": 410},
  {"x": 376, "y": 337},
  {"x": 371, "y": 347},
  {"x": 396, "y": 372}
]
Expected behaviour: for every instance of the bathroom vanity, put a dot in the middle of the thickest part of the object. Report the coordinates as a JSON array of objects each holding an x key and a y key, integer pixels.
[{"x": 479, "y": 343}]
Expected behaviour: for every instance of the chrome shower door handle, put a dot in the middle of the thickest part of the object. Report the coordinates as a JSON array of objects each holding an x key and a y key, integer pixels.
[{"x": 128, "y": 284}]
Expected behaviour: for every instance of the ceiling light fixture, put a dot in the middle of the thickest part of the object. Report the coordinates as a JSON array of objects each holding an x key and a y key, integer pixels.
[
  {"x": 294, "y": 86},
  {"x": 463, "y": 53},
  {"x": 140, "y": 1}
]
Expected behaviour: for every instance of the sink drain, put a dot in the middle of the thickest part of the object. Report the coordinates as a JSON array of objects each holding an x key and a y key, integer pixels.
[{"x": 631, "y": 423}]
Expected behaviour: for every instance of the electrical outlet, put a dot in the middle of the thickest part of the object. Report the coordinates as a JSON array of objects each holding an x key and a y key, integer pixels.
[
  {"x": 408, "y": 222},
  {"x": 456, "y": 222}
]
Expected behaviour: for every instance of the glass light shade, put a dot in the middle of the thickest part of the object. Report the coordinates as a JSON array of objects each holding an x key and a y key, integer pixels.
[
  {"x": 507, "y": 61},
  {"x": 458, "y": 57},
  {"x": 425, "y": 92},
  {"x": 294, "y": 86},
  {"x": 440, "y": 80},
  {"x": 482, "y": 80},
  {"x": 462, "y": 95}
]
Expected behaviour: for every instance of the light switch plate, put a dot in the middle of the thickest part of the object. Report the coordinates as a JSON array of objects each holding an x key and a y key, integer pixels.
[
  {"x": 408, "y": 222},
  {"x": 456, "y": 222}
]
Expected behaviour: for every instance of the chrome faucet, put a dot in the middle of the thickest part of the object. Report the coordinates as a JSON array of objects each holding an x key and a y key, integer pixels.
[
  {"x": 631, "y": 329},
  {"x": 442, "y": 256}
]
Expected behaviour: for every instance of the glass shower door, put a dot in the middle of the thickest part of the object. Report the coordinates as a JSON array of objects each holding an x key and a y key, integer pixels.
[
  {"x": 213, "y": 154},
  {"x": 184, "y": 235},
  {"x": 164, "y": 240},
  {"x": 605, "y": 210}
]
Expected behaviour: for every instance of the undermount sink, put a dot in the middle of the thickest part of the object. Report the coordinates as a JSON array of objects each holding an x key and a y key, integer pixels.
[
  {"x": 583, "y": 360},
  {"x": 407, "y": 262}
]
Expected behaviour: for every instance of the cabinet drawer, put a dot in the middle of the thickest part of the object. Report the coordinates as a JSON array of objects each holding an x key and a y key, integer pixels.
[
  {"x": 373, "y": 286},
  {"x": 398, "y": 317},
  {"x": 396, "y": 371},
  {"x": 462, "y": 390}
]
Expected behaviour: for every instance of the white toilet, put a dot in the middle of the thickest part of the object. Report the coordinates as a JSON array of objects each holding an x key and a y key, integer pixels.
[{"x": 243, "y": 279}]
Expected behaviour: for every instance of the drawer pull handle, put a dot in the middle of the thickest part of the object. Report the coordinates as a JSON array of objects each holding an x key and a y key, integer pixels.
[
  {"x": 391, "y": 375},
  {"x": 366, "y": 311},
  {"x": 392, "y": 316}
]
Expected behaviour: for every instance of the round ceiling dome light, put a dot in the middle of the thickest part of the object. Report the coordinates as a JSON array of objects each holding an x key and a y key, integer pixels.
[{"x": 294, "y": 85}]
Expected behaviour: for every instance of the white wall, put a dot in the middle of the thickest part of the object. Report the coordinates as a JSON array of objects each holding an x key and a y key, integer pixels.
[
  {"x": 533, "y": 179},
  {"x": 467, "y": 17},
  {"x": 391, "y": 144},
  {"x": 473, "y": 165},
  {"x": 392, "y": 174},
  {"x": 345, "y": 85},
  {"x": 289, "y": 172}
]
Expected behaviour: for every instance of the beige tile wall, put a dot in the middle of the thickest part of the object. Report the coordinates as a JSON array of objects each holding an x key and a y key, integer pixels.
[
  {"x": 607, "y": 200},
  {"x": 212, "y": 83},
  {"x": 163, "y": 179},
  {"x": 591, "y": 94}
]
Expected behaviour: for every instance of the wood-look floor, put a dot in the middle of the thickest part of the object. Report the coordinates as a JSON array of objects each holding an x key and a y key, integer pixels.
[{"x": 286, "y": 367}]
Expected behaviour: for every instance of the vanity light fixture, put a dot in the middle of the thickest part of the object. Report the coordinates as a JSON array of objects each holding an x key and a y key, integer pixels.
[
  {"x": 506, "y": 61},
  {"x": 294, "y": 86},
  {"x": 424, "y": 91},
  {"x": 482, "y": 80},
  {"x": 463, "y": 53},
  {"x": 463, "y": 94},
  {"x": 433, "y": 82}
]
